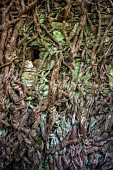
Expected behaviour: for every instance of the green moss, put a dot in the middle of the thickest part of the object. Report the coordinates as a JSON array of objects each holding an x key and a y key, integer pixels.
[
  {"x": 35, "y": 43},
  {"x": 76, "y": 69},
  {"x": 52, "y": 62},
  {"x": 39, "y": 141},
  {"x": 41, "y": 18},
  {"x": 58, "y": 35},
  {"x": 111, "y": 77}
]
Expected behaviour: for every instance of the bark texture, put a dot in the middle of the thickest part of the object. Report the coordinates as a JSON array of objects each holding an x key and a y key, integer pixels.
[{"x": 56, "y": 85}]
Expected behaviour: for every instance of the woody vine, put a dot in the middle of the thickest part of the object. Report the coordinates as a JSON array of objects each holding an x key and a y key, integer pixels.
[{"x": 56, "y": 90}]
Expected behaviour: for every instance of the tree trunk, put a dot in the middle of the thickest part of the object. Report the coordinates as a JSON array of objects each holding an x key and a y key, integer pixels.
[{"x": 56, "y": 90}]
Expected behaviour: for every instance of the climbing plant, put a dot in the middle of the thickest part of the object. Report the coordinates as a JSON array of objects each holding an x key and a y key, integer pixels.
[{"x": 56, "y": 90}]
